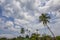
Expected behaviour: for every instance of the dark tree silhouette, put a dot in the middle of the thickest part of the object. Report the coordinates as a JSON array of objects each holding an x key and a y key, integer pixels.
[{"x": 45, "y": 19}]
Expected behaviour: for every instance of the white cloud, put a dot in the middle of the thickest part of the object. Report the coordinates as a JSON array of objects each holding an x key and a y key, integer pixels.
[
  {"x": 9, "y": 24},
  {"x": 2, "y": 1},
  {"x": 20, "y": 21}
]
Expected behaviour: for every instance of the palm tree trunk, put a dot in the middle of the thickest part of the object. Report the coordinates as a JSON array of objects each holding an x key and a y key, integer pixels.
[{"x": 51, "y": 32}]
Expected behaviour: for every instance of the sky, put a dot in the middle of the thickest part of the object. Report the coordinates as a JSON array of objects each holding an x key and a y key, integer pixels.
[{"x": 17, "y": 14}]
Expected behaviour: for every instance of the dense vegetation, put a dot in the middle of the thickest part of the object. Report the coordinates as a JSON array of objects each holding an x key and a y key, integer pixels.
[{"x": 33, "y": 37}]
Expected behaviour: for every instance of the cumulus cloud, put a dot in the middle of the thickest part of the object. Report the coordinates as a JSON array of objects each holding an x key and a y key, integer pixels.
[{"x": 9, "y": 24}]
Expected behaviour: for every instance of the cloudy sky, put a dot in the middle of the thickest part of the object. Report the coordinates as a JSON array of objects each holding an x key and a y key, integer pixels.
[{"x": 15, "y": 14}]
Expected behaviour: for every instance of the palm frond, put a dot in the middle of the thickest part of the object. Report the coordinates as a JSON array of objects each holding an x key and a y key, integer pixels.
[{"x": 44, "y": 18}]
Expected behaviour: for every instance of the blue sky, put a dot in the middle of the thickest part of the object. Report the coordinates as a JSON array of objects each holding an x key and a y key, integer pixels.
[{"x": 15, "y": 14}]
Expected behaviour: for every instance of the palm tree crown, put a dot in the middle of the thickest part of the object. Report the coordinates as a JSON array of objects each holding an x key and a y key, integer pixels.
[
  {"x": 22, "y": 30},
  {"x": 44, "y": 18}
]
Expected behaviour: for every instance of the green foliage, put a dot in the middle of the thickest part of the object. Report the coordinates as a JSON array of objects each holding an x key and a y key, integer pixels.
[
  {"x": 27, "y": 36},
  {"x": 47, "y": 37},
  {"x": 22, "y": 30},
  {"x": 44, "y": 18},
  {"x": 35, "y": 36},
  {"x": 57, "y": 37},
  {"x": 26, "y": 39},
  {"x": 3, "y": 39},
  {"x": 13, "y": 39}
]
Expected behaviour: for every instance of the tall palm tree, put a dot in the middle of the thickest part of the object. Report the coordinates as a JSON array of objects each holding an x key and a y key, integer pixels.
[{"x": 45, "y": 19}]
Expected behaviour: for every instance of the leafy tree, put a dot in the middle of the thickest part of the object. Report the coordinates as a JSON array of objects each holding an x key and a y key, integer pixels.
[
  {"x": 35, "y": 36},
  {"x": 46, "y": 37},
  {"x": 57, "y": 37},
  {"x": 27, "y": 36},
  {"x": 45, "y": 19},
  {"x": 3, "y": 39},
  {"x": 20, "y": 38},
  {"x": 13, "y": 39}
]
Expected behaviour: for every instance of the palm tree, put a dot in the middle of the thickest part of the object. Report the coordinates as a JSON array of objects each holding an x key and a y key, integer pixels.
[
  {"x": 45, "y": 19},
  {"x": 22, "y": 31},
  {"x": 28, "y": 31},
  {"x": 37, "y": 30}
]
